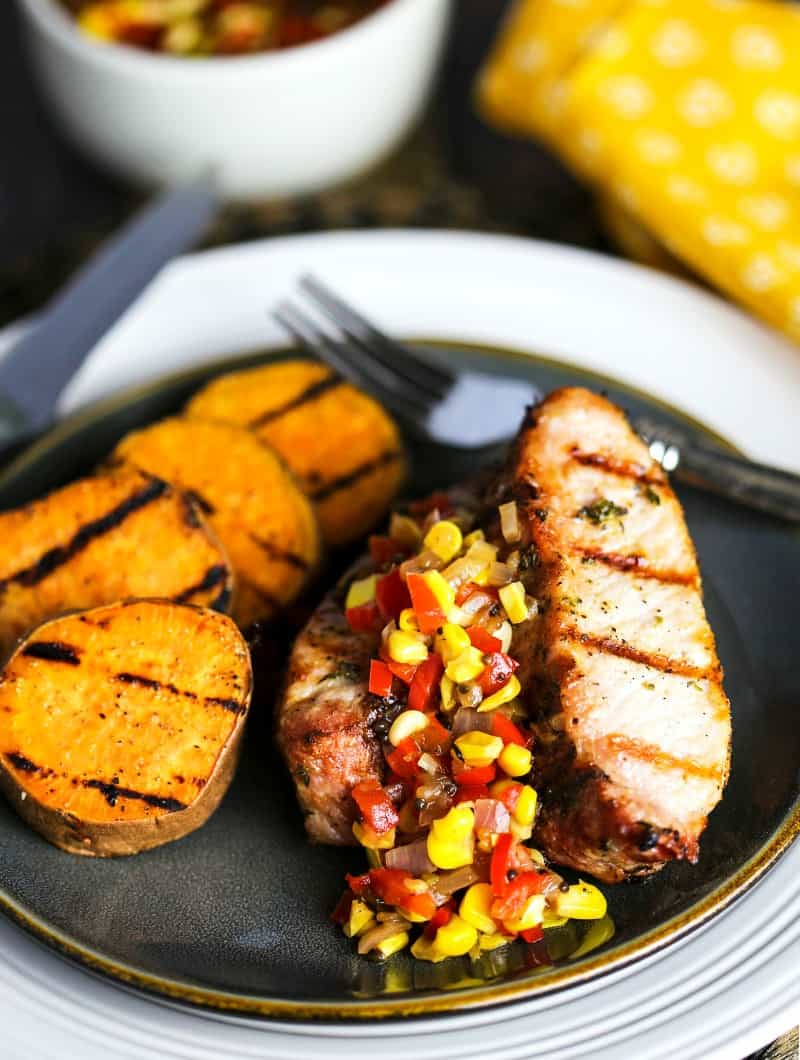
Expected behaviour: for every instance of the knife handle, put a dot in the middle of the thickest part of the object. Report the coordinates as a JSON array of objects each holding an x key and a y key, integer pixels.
[{"x": 767, "y": 489}]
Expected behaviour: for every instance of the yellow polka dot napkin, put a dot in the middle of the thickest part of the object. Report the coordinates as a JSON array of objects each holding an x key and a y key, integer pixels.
[{"x": 686, "y": 113}]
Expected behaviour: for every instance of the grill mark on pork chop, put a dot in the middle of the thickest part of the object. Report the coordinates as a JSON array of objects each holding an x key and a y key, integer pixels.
[
  {"x": 636, "y": 563},
  {"x": 663, "y": 760},
  {"x": 609, "y": 646},
  {"x": 622, "y": 468}
]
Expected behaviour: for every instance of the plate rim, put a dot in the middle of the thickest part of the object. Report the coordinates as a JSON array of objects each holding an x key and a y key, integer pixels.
[{"x": 486, "y": 996}]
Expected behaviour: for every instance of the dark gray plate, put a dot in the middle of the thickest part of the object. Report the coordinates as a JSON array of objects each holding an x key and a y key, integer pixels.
[{"x": 235, "y": 916}]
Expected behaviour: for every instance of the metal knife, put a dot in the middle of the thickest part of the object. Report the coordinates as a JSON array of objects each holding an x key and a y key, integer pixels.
[{"x": 35, "y": 371}]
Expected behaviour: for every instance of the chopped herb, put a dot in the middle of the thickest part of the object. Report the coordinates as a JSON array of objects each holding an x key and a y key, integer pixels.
[
  {"x": 540, "y": 513},
  {"x": 658, "y": 619},
  {"x": 347, "y": 670},
  {"x": 695, "y": 685},
  {"x": 600, "y": 511},
  {"x": 528, "y": 558},
  {"x": 649, "y": 686},
  {"x": 302, "y": 774},
  {"x": 651, "y": 495}
]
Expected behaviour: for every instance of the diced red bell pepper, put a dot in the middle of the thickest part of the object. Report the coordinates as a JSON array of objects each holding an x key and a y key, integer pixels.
[
  {"x": 420, "y": 904},
  {"x": 358, "y": 884},
  {"x": 471, "y": 792},
  {"x": 499, "y": 668},
  {"x": 468, "y": 589},
  {"x": 424, "y": 690},
  {"x": 507, "y": 731},
  {"x": 534, "y": 934},
  {"x": 498, "y": 869},
  {"x": 341, "y": 913},
  {"x": 426, "y": 607},
  {"x": 403, "y": 759},
  {"x": 363, "y": 619},
  {"x": 392, "y": 595},
  {"x": 385, "y": 549},
  {"x": 442, "y": 916},
  {"x": 405, "y": 671},
  {"x": 296, "y": 29},
  {"x": 511, "y": 903},
  {"x": 484, "y": 641},
  {"x": 439, "y": 499},
  {"x": 375, "y": 806},
  {"x": 380, "y": 678},
  {"x": 434, "y": 738},
  {"x": 389, "y": 885},
  {"x": 467, "y": 776},
  {"x": 509, "y": 796}
]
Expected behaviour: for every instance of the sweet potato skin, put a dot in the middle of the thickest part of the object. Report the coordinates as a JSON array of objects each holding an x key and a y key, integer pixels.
[
  {"x": 344, "y": 448},
  {"x": 101, "y": 539},
  {"x": 120, "y": 727},
  {"x": 252, "y": 502}
]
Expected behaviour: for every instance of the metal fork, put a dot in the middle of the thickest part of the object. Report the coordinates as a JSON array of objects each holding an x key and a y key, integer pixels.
[{"x": 470, "y": 413}]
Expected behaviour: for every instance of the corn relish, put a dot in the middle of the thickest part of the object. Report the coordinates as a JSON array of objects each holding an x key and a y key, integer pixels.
[{"x": 447, "y": 834}]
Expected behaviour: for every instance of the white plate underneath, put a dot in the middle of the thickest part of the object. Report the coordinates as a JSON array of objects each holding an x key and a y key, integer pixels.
[{"x": 719, "y": 993}]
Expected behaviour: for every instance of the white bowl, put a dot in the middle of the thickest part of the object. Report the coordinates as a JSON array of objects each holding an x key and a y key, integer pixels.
[{"x": 272, "y": 124}]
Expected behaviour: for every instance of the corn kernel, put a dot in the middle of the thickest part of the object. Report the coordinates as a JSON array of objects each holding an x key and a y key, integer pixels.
[
  {"x": 367, "y": 838},
  {"x": 479, "y": 748},
  {"x": 455, "y": 938},
  {"x": 451, "y": 642},
  {"x": 530, "y": 917},
  {"x": 98, "y": 22},
  {"x": 405, "y": 725},
  {"x": 522, "y": 832},
  {"x": 482, "y": 552},
  {"x": 493, "y": 942},
  {"x": 393, "y": 944},
  {"x": 361, "y": 917},
  {"x": 476, "y": 535},
  {"x": 444, "y": 538},
  {"x": 361, "y": 591},
  {"x": 408, "y": 621},
  {"x": 509, "y": 691},
  {"x": 406, "y": 648},
  {"x": 451, "y": 840},
  {"x": 466, "y": 667},
  {"x": 446, "y": 687},
  {"x": 476, "y": 907},
  {"x": 424, "y": 950},
  {"x": 583, "y": 901},
  {"x": 515, "y": 760},
  {"x": 525, "y": 810},
  {"x": 512, "y": 597},
  {"x": 404, "y": 530},
  {"x": 537, "y": 856},
  {"x": 444, "y": 592}
]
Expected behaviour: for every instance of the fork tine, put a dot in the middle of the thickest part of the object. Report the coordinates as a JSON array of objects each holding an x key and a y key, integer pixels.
[
  {"x": 392, "y": 355},
  {"x": 347, "y": 361}
]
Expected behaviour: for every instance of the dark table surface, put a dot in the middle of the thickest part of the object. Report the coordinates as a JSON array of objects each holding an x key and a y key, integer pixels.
[{"x": 452, "y": 172}]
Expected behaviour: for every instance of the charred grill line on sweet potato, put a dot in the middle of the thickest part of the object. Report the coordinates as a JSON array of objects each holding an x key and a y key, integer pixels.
[
  {"x": 53, "y": 651},
  {"x": 350, "y": 478},
  {"x": 305, "y": 397},
  {"x": 104, "y": 538},
  {"x": 334, "y": 438},
  {"x": 284, "y": 555},
  {"x": 166, "y": 758},
  {"x": 57, "y": 557},
  {"x": 126, "y": 678}
]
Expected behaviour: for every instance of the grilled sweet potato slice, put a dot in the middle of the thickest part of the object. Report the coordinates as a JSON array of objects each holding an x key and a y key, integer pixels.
[
  {"x": 102, "y": 539},
  {"x": 264, "y": 521},
  {"x": 342, "y": 445},
  {"x": 120, "y": 726}
]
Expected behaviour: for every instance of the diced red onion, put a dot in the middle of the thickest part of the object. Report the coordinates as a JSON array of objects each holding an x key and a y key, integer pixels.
[
  {"x": 467, "y": 720},
  {"x": 427, "y": 560},
  {"x": 434, "y": 808},
  {"x": 429, "y": 764},
  {"x": 450, "y": 882},
  {"x": 376, "y": 935},
  {"x": 500, "y": 574},
  {"x": 413, "y": 858},
  {"x": 491, "y": 816},
  {"x": 476, "y": 601}
]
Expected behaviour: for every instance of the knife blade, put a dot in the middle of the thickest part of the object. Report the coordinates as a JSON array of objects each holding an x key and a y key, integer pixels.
[{"x": 38, "y": 367}]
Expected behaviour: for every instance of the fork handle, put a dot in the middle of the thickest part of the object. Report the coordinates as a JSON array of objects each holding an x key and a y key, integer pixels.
[{"x": 767, "y": 489}]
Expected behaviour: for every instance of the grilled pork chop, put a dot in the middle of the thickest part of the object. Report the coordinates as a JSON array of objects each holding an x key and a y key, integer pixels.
[
  {"x": 620, "y": 666},
  {"x": 619, "y": 669}
]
